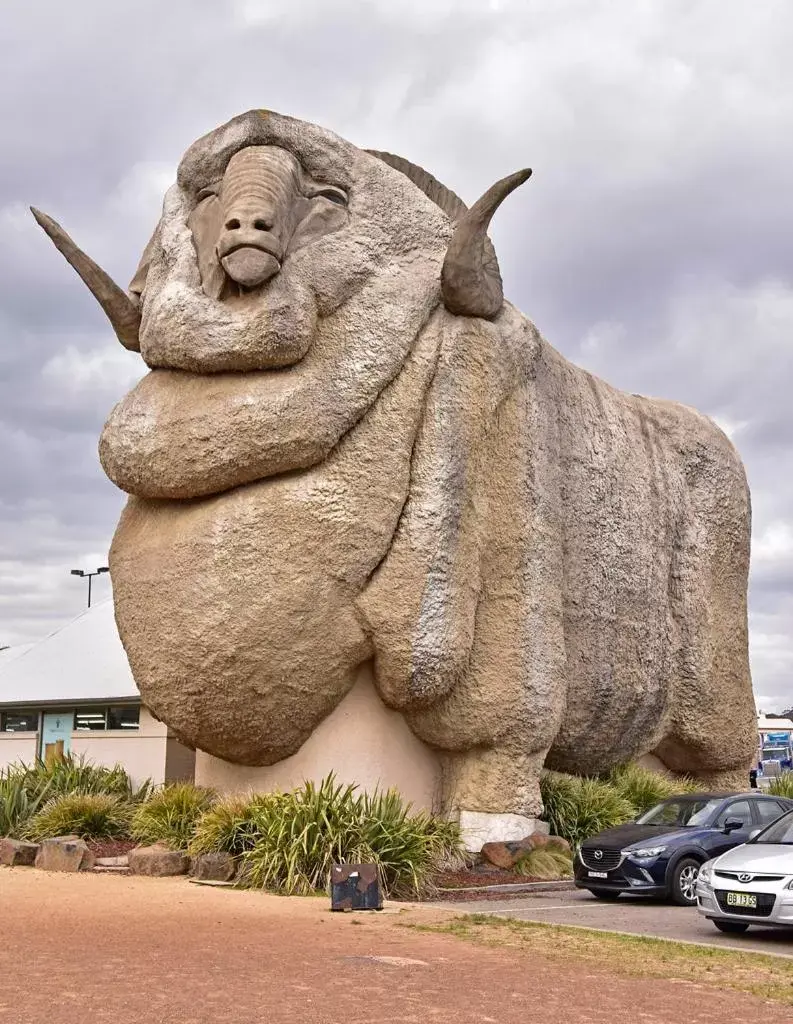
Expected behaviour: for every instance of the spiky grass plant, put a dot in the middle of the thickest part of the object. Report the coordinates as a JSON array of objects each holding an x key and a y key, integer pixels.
[
  {"x": 232, "y": 824},
  {"x": 644, "y": 788},
  {"x": 88, "y": 815},
  {"x": 288, "y": 842},
  {"x": 576, "y": 807},
  {"x": 71, "y": 774},
  {"x": 170, "y": 815},
  {"x": 17, "y": 804},
  {"x": 782, "y": 786},
  {"x": 546, "y": 863}
]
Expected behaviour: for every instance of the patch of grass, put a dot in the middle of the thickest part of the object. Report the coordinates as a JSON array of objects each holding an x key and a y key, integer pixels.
[
  {"x": 643, "y": 788},
  {"x": 88, "y": 815},
  {"x": 170, "y": 815},
  {"x": 547, "y": 862},
  {"x": 768, "y": 977},
  {"x": 577, "y": 807}
]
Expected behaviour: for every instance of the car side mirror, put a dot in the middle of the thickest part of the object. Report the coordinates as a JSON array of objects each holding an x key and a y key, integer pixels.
[
  {"x": 755, "y": 832},
  {"x": 732, "y": 824}
]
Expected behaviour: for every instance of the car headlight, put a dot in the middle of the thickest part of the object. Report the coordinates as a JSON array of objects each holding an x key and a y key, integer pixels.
[
  {"x": 651, "y": 851},
  {"x": 706, "y": 873}
]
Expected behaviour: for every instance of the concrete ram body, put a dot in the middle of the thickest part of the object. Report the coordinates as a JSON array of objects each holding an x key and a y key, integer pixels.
[{"x": 349, "y": 449}]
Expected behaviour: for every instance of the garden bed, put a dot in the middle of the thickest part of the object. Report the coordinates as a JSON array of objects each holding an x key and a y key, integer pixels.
[
  {"x": 468, "y": 878},
  {"x": 111, "y": 847}
]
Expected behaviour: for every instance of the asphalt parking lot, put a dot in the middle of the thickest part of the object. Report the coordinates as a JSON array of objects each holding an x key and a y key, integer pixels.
[{"x": 637, "y": 915}]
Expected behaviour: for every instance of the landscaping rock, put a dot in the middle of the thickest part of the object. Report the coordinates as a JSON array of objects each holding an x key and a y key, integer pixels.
[
  {"x": 112, "y": 862},
  {"x": 157, "y": 861},
  {"x": 15, "y": 853},
  {"x": 65, "y": 853},
  {"x": 503, "y": 855},
  {"x": 507, "y": 855},
  {"x": 214, "y": 867}
]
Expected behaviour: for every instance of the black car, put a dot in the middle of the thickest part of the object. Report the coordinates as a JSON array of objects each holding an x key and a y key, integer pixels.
[{"x": 661, "y": 852}]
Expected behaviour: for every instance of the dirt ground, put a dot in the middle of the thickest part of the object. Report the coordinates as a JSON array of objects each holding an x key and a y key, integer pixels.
[{"x": 90, "y": 949}]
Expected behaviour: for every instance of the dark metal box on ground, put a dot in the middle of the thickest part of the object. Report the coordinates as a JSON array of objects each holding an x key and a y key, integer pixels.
[{"x": 355, "y": 887}]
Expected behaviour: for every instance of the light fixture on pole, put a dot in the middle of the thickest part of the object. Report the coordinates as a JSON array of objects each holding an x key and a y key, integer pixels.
[{"x": 88, "y": 575}]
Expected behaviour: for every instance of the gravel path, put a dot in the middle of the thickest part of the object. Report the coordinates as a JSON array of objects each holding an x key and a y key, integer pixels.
[{"x": 92, "y": 949}]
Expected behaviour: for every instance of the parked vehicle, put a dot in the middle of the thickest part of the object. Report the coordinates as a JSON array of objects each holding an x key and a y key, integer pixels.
[
  {"x": 660, "y": 854},
  {"x": 752, "y": 884}
]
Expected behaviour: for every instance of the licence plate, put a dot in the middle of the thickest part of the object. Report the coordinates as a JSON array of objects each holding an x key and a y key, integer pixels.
[
  {"x": 598, "y": 874},
  {"x": 741, "y": 899}
]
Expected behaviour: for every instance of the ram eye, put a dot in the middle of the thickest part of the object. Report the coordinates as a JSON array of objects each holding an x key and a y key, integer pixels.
[
  {"x": 335, "y": 195},
  {"x": 205, "y": 193}
]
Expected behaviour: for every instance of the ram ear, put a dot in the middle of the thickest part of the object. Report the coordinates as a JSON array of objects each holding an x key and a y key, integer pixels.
[
  {"x": 122, "y": 310},
  {"x": 205, "y": 223},
  {"x": 138, "y": 282}
]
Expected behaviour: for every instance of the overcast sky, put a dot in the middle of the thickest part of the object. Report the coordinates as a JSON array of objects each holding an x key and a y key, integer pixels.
[{"x": 654, "y": 244}]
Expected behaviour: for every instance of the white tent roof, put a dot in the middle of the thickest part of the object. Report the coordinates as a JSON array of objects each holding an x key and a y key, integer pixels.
[{"x": 82, "y": 661}]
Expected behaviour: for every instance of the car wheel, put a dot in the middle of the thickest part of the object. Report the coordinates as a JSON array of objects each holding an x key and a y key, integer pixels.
[
  {"x": 605, "y": 894},
  {"x": 732, "y": 927},
  {"x": 683, "y": 886}
]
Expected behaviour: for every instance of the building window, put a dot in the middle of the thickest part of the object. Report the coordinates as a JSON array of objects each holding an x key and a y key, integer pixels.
[
  {"x": 100, "y": 719},
  {"x": 123, "y": 718},
  {"x": 19, "y": 721},
  {"x": 90, "y": 720}
]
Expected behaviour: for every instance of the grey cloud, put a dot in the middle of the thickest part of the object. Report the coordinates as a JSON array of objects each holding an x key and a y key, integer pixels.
[{"x": 654, "y": 243}]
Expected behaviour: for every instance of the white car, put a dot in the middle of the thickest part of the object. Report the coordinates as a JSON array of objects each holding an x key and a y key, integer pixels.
[{"x": 753, "y": 883}]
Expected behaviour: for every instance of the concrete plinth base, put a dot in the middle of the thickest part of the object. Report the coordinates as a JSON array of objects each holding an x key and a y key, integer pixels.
[
  {"x": 478, "y": 828},
  {"x": 361, "y": 741}
]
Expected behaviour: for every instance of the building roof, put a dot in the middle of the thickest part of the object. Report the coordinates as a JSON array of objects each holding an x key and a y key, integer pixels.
[
  {"x": 767, "y": 724},
  {"x": 82, "y": 661}
]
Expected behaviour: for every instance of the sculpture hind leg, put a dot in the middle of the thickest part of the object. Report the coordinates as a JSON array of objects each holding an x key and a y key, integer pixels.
[{"x": 711, "y": 732}]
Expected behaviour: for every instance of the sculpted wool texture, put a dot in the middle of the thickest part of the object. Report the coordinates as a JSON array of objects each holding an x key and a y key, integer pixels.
[{"x": 349, "y": 448}]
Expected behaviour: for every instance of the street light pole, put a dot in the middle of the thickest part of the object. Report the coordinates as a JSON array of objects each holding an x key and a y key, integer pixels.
[{"x": 89, "y": 575}]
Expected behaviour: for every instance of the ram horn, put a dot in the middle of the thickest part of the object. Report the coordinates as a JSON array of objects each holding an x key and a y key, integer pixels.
[
  {"x": 121, "y": 311},
  {"x": 470, "y": 279}
]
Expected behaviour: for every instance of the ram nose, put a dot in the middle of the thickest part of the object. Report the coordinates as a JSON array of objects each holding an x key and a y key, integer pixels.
[{"x": 249, "y": 249}]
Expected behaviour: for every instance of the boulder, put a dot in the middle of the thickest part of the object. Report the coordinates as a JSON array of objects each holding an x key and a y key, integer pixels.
[
  {"x": 64, "y": 853},
  {"x": 214, "y": 867},
  {"x": 158, "y": 861},
  {"x": 16, "y": 853},
  {"x": 507, "y": 855},
  {"x": 557, "y": 843},
  {"x": 503, "y": 855}
]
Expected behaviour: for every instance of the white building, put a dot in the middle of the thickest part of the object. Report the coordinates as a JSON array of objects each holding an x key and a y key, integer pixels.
[{"x": 73, "y": 692}]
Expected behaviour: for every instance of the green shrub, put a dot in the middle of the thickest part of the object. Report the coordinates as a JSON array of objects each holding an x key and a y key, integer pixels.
[
  {"x": 70, "y": 774},
  {"x": 782, "y": 786},
  {"x": 293, "y": 839},
  {"x": 408, "y": 847},
  {"x": 170, "y": 815},
  {"x": 576, "y": 808},
  {"x": 88, "y": 815},
  {"x": 644, "y": 788},
  {"x": 17, "y": 804},
  {"x": 546, "y": 863},
  {"x": 232, "y": 824}
]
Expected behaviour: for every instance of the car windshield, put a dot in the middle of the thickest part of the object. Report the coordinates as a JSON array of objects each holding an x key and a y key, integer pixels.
[
  {"x": 781, "y": 832},
  {"x": 679, "y": 812}
]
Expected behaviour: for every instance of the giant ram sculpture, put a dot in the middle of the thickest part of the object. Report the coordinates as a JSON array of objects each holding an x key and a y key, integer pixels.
[{"x": 350, "y": 448}]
